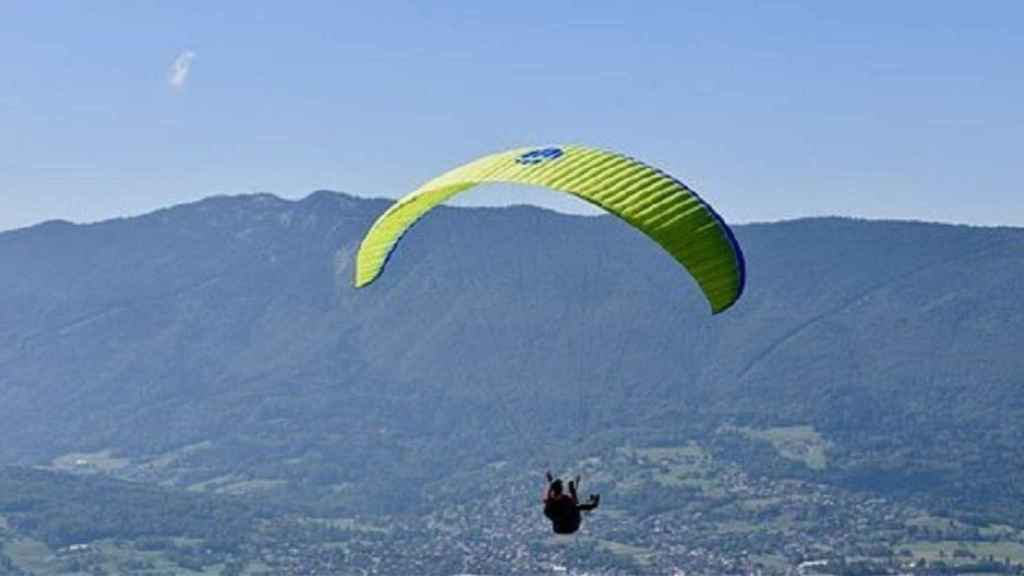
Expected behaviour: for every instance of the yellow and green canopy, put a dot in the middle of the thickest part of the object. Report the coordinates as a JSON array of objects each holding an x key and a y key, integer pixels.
[{"x": 650, "y": 200}]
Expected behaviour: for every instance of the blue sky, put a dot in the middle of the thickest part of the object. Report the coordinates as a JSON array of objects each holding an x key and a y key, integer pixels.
[{"x": 771, "y": 110}]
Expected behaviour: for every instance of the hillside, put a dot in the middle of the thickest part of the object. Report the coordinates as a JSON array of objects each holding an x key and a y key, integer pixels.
[{"x": 219, "y": 346}]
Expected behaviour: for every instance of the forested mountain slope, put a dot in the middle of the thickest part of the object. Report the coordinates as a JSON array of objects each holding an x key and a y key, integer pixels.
[{"x": 220, "y": 344}]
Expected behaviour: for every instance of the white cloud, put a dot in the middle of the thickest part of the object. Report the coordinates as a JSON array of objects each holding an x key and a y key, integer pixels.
[{"x": 178, "y": 73}]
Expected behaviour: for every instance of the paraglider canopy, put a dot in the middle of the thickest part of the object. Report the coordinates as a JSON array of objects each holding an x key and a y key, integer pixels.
[{"x": 650, "y": 200}]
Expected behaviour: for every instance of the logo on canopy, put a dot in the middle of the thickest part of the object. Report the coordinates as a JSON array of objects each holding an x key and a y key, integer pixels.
[{"x": 539, "y": 155}]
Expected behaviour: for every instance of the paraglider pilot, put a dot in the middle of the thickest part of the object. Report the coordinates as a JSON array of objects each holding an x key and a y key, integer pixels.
[{"x": 564, "y": 509}]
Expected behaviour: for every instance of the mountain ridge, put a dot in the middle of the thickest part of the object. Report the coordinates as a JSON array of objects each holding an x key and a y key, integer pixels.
[{"x": 232, "y": 321}]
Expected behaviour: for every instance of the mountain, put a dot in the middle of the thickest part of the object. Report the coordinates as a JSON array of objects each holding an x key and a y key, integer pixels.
[{"x": 220, "y": 346}]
